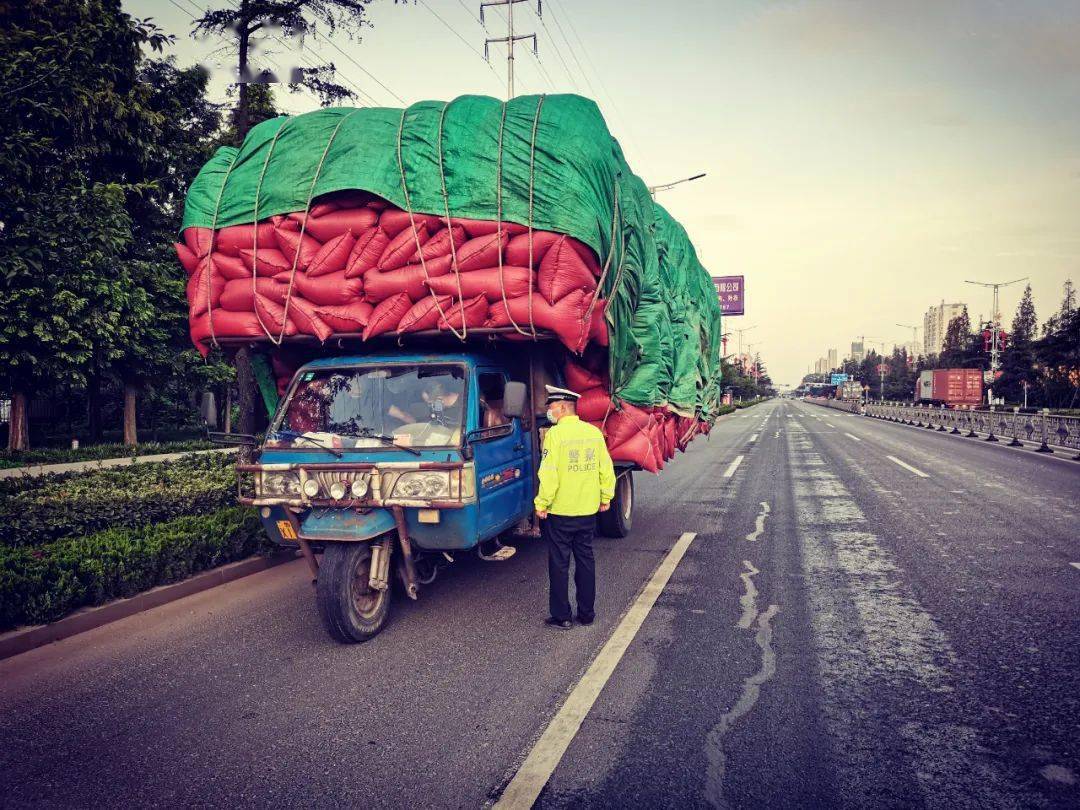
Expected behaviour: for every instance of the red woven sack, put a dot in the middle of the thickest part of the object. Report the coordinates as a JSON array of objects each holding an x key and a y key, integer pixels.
[
  {"x": 226, "y": 324},
  {"x": 394, "y": 221},
  {"x": 594, "y": 404},
  {"x": 517, "y": 249},
  {"x": 267, "y": 262},
  {"x": 485, "y": 282},
  {"x": 386, "y": 316},
  {"x": 281, "y": 221},
  {"x": 199, "y": 297},
  {"x": 327, "y": 226},
  {"x": 188, "y": 260},
  {"x": 481, "y": 251},
  {"x": 470, "y": 315},
  {"x": 483, "y": 227},
  {"x": 439, "y": 243},
  {"x": 332, "y": 256},
  {"x": 370, "y": 245},
  {"x": 347, "y": 319},
  {"x": 581, "y": 379},
  {"x": 235, "y": 238},
  {"x": 598, "y": 331},
  {"x": 237, "y": 295},
  {"x": 330, "y": 291},
  {"x": 272, "y": 316},
  {"x": 403, "y": 247},
  {"x": 303, "y": 316},
  {"x": 564, "y": 320},
  {"x": 291, "y": 243},
  {"x": 424, "y": 314},
  {"x": 562, "y": 271},
  {"x": 638, "y": 449},
  {"x": 198, "y": 240},
  {"x": 410, "y": 279}
]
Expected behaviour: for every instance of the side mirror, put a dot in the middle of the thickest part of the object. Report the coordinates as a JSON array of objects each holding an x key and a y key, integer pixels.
[
  {"x": 208, "y": 410},
  {"x": 514, "y": 399}
]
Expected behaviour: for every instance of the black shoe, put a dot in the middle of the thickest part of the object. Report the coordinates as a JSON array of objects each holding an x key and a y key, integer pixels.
[
  {"x": 586, "y": 622},
  {"x": 565, "y": 624}
]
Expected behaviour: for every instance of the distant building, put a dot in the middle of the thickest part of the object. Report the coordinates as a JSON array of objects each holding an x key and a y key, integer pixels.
[
  {"x": 857, "y": 351},
  {"x": 832, "y": 360},
  {"x": 821, "y": 366},
  {"x": 936, "y": 324}
]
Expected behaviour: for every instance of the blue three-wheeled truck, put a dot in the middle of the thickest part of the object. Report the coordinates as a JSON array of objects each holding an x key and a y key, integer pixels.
[{"x": 402, "y": 460}]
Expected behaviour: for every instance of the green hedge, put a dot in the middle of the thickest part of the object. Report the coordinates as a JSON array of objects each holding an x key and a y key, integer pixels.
[
  {"x": 43, "y": 509},
  {"x": 43, "y": 584},
  {"x": 61, "y": 455}
]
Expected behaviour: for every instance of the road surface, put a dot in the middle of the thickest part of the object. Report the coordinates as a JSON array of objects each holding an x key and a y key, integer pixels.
[{"x": 866, "y": 615}]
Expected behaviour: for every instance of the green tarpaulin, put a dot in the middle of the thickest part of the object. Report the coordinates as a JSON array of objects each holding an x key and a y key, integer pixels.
[{"x": 545, "y": 160}]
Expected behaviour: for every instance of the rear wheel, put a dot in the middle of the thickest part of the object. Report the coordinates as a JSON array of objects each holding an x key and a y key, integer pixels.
[
  {"x": 619, "y": 519},
  {"x": 350, "y": 608}
]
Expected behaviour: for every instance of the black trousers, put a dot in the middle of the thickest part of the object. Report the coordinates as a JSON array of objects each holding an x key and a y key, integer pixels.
[{"x": 566, "y": 536}]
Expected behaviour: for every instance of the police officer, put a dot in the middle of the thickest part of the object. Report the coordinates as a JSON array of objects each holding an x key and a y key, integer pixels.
[{"x": 577, "y": 480}]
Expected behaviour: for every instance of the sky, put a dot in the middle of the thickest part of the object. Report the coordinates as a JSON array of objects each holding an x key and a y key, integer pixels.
[{"x": 863, "y": 158}]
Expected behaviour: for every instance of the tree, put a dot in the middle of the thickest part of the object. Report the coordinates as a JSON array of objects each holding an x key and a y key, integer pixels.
[
  {"x": 1024, "y": 323},
  {"x": 178, "y": 127},
  {"x": 67, "y": 84},
  {"x": 294, "y": 18},
  {"x": 1017, "y": 361}
]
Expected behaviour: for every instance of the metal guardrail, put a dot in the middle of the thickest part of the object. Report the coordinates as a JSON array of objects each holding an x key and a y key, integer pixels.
[
  {"x": 1048, "y": 431},
  {"x": 852, "y": 406}
]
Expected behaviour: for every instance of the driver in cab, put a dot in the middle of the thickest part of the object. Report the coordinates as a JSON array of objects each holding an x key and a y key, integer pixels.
[{"x": 436, "y": 404}]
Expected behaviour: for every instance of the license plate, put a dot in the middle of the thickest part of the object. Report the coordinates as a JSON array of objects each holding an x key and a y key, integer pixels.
[{"x": 286, "y": 529}]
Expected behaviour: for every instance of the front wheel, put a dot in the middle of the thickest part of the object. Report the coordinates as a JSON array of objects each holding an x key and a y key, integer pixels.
[
  {"x": 350, "y": 608},
  {"x": 619, "y": 519}
]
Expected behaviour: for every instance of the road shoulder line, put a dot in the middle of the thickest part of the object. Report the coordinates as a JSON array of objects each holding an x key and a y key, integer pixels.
[{"x": 522, "y": 791}]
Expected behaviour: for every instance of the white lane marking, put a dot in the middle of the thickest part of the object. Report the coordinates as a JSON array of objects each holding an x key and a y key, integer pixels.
[
  {"x": 754, "y": 438},
  {"x": 1075, "y": 565},
  {"x": 776, "y": 435},
  {"x": 534, "y": 773},
  {"x": 759, "y": 523},
  {"x": 733, "y": 466},
  {"x": 714, "y": 743},
  {"x": 907, "y": 466},
  {"x": 830, "y": 425},
  {"x": 853, "y": 438},
  {"x": 748, "y": 601}
]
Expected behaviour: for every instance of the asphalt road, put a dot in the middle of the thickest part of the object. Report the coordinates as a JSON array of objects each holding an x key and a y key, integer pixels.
[{"x": 870, "y": 615}]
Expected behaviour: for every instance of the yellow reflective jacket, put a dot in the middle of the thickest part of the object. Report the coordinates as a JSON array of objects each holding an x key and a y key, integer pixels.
[{"x": 576, "y": 473}]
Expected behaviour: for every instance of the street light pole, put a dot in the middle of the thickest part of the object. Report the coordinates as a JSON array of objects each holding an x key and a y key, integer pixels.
[
  {"x": 914, "y": 334},
  {"x": 995, "y": 329},
  {"x": 672, "y": 184}
]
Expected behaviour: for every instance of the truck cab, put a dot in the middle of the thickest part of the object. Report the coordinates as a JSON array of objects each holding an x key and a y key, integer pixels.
[{"x": 413, "y": 455}]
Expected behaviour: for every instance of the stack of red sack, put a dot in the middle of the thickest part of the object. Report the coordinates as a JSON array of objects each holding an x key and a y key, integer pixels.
[
  {"x": 648, "y": 437},
  {"x": 352, "y": 265}
]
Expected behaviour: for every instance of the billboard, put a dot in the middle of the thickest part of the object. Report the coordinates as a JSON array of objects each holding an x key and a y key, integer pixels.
[
  {"x": 839, "y": 378},
  {"x": 731, "y": 292}
]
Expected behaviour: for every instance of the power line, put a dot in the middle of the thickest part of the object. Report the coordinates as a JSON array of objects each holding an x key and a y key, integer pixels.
[
  {"x": 600, "y": 80},
  {"x": 573, "y": 55},
  {"x": 558, "y": 52},
  {"x": 454, "y": 31}
]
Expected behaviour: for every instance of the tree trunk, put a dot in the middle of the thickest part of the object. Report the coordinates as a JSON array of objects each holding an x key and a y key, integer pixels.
[
  {"x": 18, "y": 422},
  {"x": 243, "y": 44},
  {"x": 227, "y": 421},
  {"x": 245, "y": 386},
  {"x": 131, "y": 433},
  {"x": 93, "y": 406}
]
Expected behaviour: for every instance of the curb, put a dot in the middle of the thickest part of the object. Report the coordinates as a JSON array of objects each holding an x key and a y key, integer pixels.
[
  {"x": 16, "y": 642},
  {"x": 38, "y": 470}
]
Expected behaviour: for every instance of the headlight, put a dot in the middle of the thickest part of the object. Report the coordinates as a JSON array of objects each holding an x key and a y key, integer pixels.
[
  {"x": 311, "y": 488},
  {"x": 359, "y": 487},
  {"x": 423, "y": 485},
  {"x": 337, "y": 490},
  {"x": 279, "y": 485}
]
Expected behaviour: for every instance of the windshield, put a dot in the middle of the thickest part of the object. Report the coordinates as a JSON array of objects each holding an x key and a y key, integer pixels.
[{"x": 368, "y": 406}]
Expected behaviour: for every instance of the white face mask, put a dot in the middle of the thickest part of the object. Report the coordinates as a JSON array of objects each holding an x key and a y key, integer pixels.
[{"x": 552, "y": 417}]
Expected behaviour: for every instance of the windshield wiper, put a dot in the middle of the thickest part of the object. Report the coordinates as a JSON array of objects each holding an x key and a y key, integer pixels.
[
  {"x": 369, "y": 433},
  {"x": 294, "y": 435}
]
